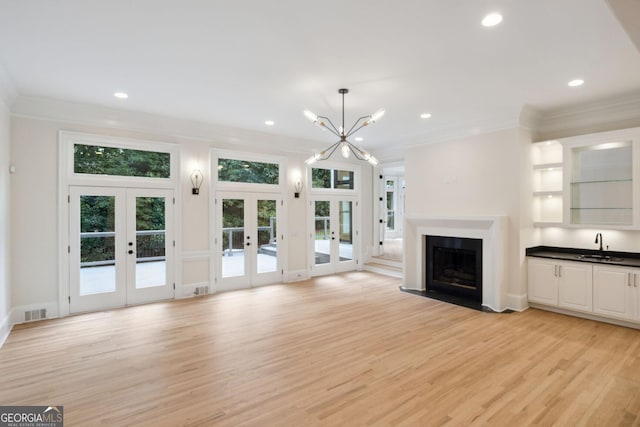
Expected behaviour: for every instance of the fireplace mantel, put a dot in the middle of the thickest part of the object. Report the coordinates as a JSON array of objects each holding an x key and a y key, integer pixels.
[{"x": 491, "y": 229}]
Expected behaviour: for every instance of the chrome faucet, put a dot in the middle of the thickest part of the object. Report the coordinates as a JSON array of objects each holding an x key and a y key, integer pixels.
[{"x": 599, "y": 241}]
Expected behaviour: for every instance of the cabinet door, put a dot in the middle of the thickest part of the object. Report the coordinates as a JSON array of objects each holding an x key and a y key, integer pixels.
[
  {"x": 543, "y": 283},
  {"x": 575, "y": 289},
  {"x": 613, "y": 292}
]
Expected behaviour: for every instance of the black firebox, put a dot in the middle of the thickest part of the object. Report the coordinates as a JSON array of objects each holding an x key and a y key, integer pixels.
[{"x": 454, "y": 267}]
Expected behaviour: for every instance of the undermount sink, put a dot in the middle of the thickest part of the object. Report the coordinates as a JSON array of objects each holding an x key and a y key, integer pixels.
[{"x": 598, "y": 257}]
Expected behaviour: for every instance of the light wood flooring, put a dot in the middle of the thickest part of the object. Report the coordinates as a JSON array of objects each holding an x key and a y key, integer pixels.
[{"x": 345, "y": 350}]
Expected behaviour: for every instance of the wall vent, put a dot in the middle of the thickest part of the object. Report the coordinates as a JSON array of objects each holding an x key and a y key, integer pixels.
[
  {"x": 32, "y": 315},
  {"x": 201, "y": 290}
]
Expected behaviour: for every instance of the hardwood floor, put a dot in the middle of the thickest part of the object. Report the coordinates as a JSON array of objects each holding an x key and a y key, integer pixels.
[{"x": 342, "y": 350}]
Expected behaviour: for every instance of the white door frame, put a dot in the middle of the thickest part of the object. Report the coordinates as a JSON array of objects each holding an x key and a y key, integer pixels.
[
  {"x": 335, "y": 265},
  {"x": 67, "y": 177},
  {"x": 251, "y": 276},
  {"x": 126, "y": 266}
]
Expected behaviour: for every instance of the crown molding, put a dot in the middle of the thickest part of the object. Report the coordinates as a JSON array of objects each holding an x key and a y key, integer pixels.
[
  {"x": 617, "y": 112},
  {"x": 162, "y": 126},
  {"x": 510, "y": 120},
  {"x": 8, "y": 91}
]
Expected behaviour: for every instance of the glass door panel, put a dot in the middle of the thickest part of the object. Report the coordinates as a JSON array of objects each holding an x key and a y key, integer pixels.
[
  {"x": 266, "y": 218},
  {"x": 97, "y": 263},
  {"x": 232, "y": 236},
  {"x": 346, "y": 230},
  {"x": 149, "y": 245},
  {"x": 151, "y": 261},
  {"x": 322, "y": 232},
  {"x": 97, "y": 244}
]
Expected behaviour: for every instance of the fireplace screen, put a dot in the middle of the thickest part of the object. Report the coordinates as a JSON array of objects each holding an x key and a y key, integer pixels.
[{"x": 454, "y": 266}]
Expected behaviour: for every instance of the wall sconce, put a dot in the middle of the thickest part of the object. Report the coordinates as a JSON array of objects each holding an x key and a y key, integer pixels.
[
  {"x": 196, "y": 181},
  {"x": 297, "y": 188}
]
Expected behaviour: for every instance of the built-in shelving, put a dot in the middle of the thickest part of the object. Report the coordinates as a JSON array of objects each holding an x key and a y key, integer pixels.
[
  {"x": 602, "y": 184},
  {"x": 548, "y": 192}
]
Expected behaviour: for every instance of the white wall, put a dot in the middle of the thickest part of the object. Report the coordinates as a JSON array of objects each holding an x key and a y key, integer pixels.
[
  {"x": 476, "y": 176},
  {"x": 34, "y": 260},
  {"x": 5, "y": 224}
]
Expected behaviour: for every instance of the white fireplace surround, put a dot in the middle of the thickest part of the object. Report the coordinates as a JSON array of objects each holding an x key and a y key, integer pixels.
[{"x": 491, "y": 229}]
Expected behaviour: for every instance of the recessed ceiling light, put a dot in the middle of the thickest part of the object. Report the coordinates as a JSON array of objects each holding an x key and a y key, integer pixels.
[
  {"x": 425, "y": 115},
  {"x": 269, "y": 122},
  {"x": 121, "y": 95},
  {"x": 576, "y": 82},
  {"x": 492, "y": 20},
  {"x": 359, "y": 138}
]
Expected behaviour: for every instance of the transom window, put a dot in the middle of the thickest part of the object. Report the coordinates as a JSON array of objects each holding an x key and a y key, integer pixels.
[
  {"x": 102, "y": 160},
  {"x": 332, "y": 178},
  {"x": 233, "y": 170}
]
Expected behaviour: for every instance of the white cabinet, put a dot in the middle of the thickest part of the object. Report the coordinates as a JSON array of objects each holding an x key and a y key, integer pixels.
[
  {"x": 561, "y": 283},
  {"x": 543, "y": 281},
  {"x": 616, "y": 292}
]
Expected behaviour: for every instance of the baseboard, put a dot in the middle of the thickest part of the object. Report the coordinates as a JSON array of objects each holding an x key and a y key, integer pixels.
[
  {"x": 17, "y": 313},
  {"x": 517, "y": 302},
  {"x": 297, "y": 275},
  {"x": 589, "y": 316},
  {"x": 5, "y": 328},
  {"x": 189, "y": 290}
]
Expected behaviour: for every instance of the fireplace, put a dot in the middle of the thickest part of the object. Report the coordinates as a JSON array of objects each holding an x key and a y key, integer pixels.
[{"x": 453, "y": 267}]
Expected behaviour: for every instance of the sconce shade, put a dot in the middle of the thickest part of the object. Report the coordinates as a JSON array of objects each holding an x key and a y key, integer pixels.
[
  {"x": 297, "y": 188},
  {"x": 196, "y": 181}
]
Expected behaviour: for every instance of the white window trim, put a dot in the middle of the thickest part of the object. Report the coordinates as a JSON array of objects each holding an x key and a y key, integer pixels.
[
  {"x": 357, "y": 178},
  {"x": 69, "y": 139},
  {"x": 67, "y": 177}
]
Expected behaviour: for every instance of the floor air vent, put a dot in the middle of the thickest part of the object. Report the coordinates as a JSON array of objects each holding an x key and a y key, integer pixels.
[
  {"x": 201, "y": 290},
  {"x": 35, "y": 314}
]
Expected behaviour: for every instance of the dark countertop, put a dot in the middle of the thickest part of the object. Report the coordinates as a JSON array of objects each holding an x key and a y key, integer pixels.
[{"x": 623, "y": 259}]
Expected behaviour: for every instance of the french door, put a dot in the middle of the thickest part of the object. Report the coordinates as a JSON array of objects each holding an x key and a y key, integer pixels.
[
  {"x": 121, "y": 247},
  {"x": 248, "y": 240},
  {"x": 333, "y": 234}
]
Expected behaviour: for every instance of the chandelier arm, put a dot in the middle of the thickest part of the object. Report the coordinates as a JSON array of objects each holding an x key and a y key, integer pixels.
[
  {"x": 355, "y": 150},
  {"x": 330, "y": 150},
  {"x": 333, "y": 128},
  {"x": 351, "y": 131}
]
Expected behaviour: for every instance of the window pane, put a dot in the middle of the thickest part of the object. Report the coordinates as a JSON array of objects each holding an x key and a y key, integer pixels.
[
  {"x": 390, "y": 185},
  {"x": 232, "y": 237},
  {"x": 343, "y": 180},
  {"x": 322, "y": 232},
  {"x": 321, "y": 178},
  {"x": 230, "y": 170},
  {"x": 96, "y": 160},
  {"x": 346, "y": 231},
  {"x": 390, "y": 200},
  {"x": 151, "y": 263},
  {"x": 267, "y": 232},
  {"x": 97, "y": 244}
]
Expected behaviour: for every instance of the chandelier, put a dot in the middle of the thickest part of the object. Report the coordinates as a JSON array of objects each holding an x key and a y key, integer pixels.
[{"x": 346, "y": 148}]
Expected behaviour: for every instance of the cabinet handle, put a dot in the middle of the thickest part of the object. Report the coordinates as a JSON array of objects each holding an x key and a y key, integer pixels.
[
  {"x": 635, "y": 280},
  {"x": 629, "y": 279},
  {"x": 555, "y": 271},
  {"x": 559, "y": 271}
]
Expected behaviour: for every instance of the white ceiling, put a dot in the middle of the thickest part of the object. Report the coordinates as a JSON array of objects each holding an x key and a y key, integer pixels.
[{"x": 239, "y": 63}]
